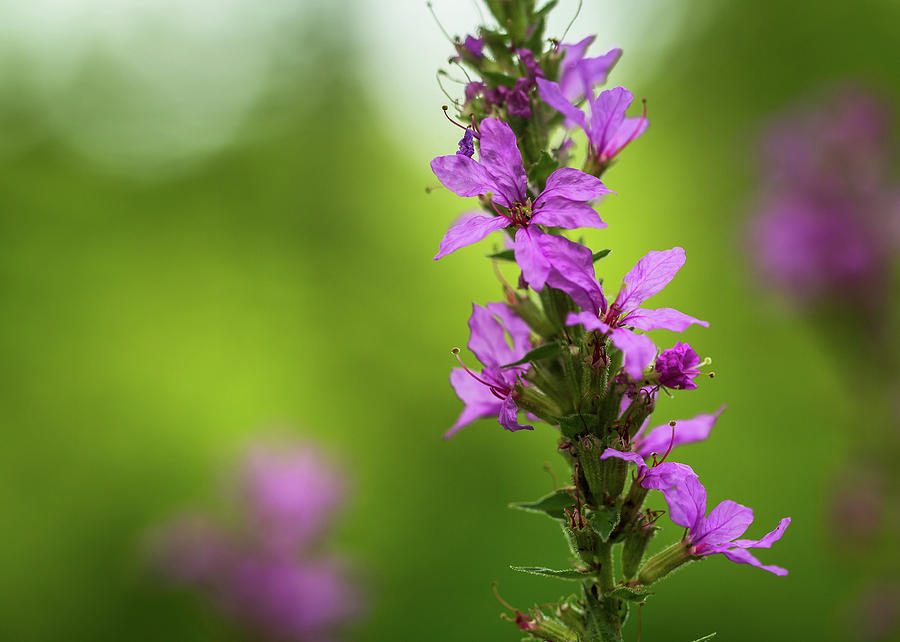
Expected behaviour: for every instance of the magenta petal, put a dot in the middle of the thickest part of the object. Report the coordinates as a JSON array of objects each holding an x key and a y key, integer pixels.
[
  {"x": 509, "y": 416},
  {"x": 479, "y": 401},
  {"x": 742, "y": 556},
  {"x": 569, "y": 215},
  {"x": 686, "y": 431},
  {"x": 589, "y": 320},
  {"x": 630, "y": 129},
  {"x": 649, "y": 275},
  {"x": 592, "y": 72},
  {"x": 501, "y": 158},
  {"x": 607, "y": 115},
  {"x": 518, "y": 330},
  {"x": 661, "y": 319},
  {"x": 530, "y": 257},
  {"x": 767, "y": 540},
  {"x": 551, "y": 94},
  {"x": 638, "y": 350},
  {"x": 570, "y": 80},
  {"x": 666, "y": 475},
  {"x": 573, "y": 184},
  {"x": 725, "y": 522},
  {"x": 487, "y": 338},
  {"x": 686, "y": 501},
  {"x": 469, "y": 229},
  {"x": 634, "y": 458},
  {"x": 462, "y": 175}
]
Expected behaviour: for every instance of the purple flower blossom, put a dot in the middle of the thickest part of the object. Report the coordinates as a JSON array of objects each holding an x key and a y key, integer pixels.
[
  {"x": 491, "y": 392},
  {"x": 473, "y": 89},
  {"x": 475, "y": 46},
  {"x": 609, "y": 131},
  {"x": 686, "y": 498},
  {"x": 827, "y": 221},
  {"x": 269, "y": 576},
  {"x": 677, "y": 367},
  {"x": 579, "y": 75},
  {"x": 544, "y": 259},
  {"x": 650, "y": 275}
]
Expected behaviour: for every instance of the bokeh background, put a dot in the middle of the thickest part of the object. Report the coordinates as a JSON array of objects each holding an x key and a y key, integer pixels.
[{"x": 215, "y": 225}]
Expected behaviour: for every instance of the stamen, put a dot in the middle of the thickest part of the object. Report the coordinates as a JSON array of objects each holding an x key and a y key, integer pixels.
[
  {"x": 671, "y": 443},
  {"x": 460, "y": 125},
  {"x": 500, "y": 599},
  {"x": 497, "y": 391}
]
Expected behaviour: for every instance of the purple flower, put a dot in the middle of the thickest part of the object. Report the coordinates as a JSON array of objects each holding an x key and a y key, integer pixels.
[
  {"x": 475, "y": 46},
  {"x": 579, "y": 75},
  {"x": 718, "y": 532},
  {"x": 466, "y": 144},
  {"x": 532, "y": 68},
  {"x": 677, "y": 367},
  {"x": 544, "y": 259},
  {"x": 473, "y": 89},
  {"x": 491, "y": 392},
  {"x": 608, "y": 130},
  {"x": 686, "y": 498},
  {"x": 290, "y": 495},
  {"x": 650, "y": 275}
]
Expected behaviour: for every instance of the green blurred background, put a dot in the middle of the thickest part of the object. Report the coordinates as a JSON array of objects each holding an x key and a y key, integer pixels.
[{"x": 176, "y": 279}]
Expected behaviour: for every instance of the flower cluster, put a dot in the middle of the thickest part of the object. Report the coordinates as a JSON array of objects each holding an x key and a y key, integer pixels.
[
  {"x": 269, "y": 574},
  {"x": 557, "y": 349}
]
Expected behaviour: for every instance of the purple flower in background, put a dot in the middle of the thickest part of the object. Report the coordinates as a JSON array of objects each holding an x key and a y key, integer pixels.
[
  {"x": 579, "y": 75},
  {"x": 565, "y": 202},
  {"x": 718, "y": 532},
  {"x": 491, "y": 392},
  {"x": 677, "y": 367},
  {"x": 270, "y": 575},
  {"x": 475, "y": 46},
  {"x": 829, "y": 215},
  {"x": 650, "y": 275},
  {"x": 290, "y": 495},
  {"x": 609, "y": 131}
]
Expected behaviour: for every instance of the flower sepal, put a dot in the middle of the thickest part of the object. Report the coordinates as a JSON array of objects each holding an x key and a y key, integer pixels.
[{"x": 666, "y": 561}]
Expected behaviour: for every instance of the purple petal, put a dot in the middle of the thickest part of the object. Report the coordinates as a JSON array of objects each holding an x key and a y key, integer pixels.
[
  {"x": 589, "y": 73},
  {"x": 501, "y": 158},
  {"x": 570, "y": 80},
  {"x": 469, "y": 229},
  {"x": 638, "y": 350},
  {"x": 686, "y": 431},
  {"x": 608, "y": 115},
  {"x": 518, "y": 330},
  {"x": 589, "y": 320},
  {"x": 570, "y": 215},
  {"x": 477, "y": 397},
  {"x": 551, "y": 94},
  {"x": 661, "y": 319},
  {"x": 666, "y": 475},
  {"x": 767, "y": 540},
  {"x": 649, "y": 275},
  {"x": 509, "y": 415},
  {"x": 487, "y": 339},
  {"x": 462, "y": 175},
  {"x": 547, "y": 259},
  {"x": 573, "y": 184},
  {"x": 629, "y": 129},
  {"x": 634, "y": 458},
  {"x": 725, "y": 522},
  {"x": 742, "y": 556},
  {"x": 686, "y": 500}
]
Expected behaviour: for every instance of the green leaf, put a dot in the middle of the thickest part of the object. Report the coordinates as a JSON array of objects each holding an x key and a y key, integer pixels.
[
  {"x": 632, "y": 594},
  {"x": 601, "y": 254},
  {"x": 706, "y": 637},
  {"x": 541, "y": 352},
  {"x": 572, "y": 425},
  {"x": 570, "y": 574},
  {"x": 540, "y": 170},
  {"x": 552, "y": 505},
  {"x": 604, "y": 520},
  {"x": 496, "y": 78},
  {"x": 504, "y": 255}
]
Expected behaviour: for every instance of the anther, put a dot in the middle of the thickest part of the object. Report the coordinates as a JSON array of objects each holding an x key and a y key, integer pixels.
[{"x": 445, "y": 108}]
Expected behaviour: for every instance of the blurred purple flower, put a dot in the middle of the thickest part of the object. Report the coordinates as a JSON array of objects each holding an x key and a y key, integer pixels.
[
  {"x": 677, "y": 367},
  {"x": 268, "y": 574},
  {"x": 827, "y": 222},
  {"x": 474, "y": 46},
  {"x": 876, "y": 612},
  {"x": 648, "y": 277},
  {"x": 579, "y": 75}
]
